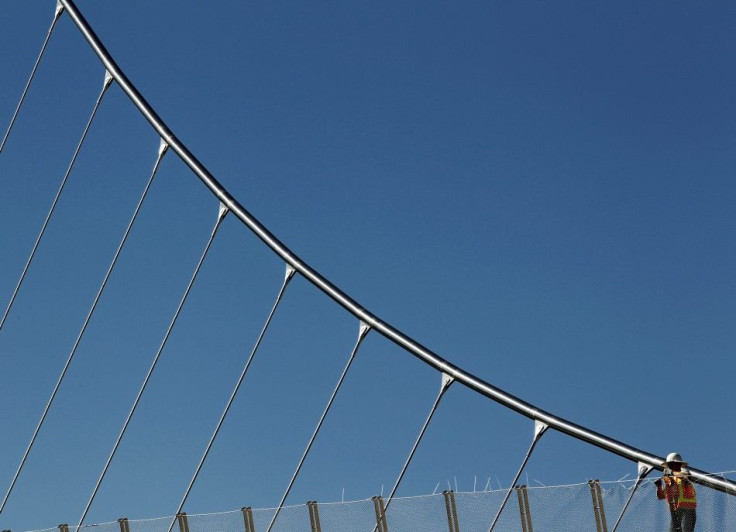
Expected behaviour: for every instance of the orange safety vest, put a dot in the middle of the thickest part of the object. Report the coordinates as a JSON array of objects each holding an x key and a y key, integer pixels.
[{"x": 680, "y": 491}]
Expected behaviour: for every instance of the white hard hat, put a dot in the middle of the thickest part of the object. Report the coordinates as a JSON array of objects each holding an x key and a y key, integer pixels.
[{"x": 674, "y": 458}]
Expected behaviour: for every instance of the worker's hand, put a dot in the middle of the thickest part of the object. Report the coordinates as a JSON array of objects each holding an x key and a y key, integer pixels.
[{"x": 658, "y": 482}]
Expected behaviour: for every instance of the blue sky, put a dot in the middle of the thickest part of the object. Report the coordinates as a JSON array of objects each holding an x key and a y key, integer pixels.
[{"x": 539, "y": 192}]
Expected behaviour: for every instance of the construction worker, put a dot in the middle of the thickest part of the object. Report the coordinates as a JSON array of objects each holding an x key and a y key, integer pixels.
[{"x": 679, "y": 493}]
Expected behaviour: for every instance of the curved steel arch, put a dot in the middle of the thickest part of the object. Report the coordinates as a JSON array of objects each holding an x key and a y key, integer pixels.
[{"x": 398, "y": 337}]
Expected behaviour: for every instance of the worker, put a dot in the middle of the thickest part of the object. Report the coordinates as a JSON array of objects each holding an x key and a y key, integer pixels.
[{"x": 679, "y": 492}]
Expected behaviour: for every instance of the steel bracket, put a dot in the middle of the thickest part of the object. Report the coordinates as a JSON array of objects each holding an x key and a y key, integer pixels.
[{"x": 540, "y": 427}]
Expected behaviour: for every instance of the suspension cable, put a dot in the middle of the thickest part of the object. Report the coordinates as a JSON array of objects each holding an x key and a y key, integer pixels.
[
  {"x": 57, "y": 14},
  {"x": 539, "y": 429},
  {"x": 161, "y": 152},
  {"x": 220, "y": 217},
  {"x": 289, "y": 275},
  {"x": 105, "y": 86},
  {"x": 364, "y": 329},
  {"x": 446, "y": 383},
  {"x": 644, "y": 470}
]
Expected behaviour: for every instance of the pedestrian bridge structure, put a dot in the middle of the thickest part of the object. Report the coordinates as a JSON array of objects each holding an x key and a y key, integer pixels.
[{"x": 599, "y": 506}]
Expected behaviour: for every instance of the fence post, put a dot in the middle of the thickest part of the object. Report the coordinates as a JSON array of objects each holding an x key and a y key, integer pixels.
[
  {"x": 521, "y": 509},
  {"x": 314, "y": 516},
  {"x": 248, "y": 519},
  {"x": 380, "y": 508},
  {"x": 124, "y": 526},
  {"x": 604, "y": 526},
  {"x": 451, "y": 510},
  {"x": 524, "y": 509},
  {"x": 600, "y": 514},
  {"x": 183, "y": 522}
]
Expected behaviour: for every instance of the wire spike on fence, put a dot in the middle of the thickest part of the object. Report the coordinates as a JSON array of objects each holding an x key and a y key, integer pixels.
[
  {"x": 539, "y": 429},
  {"x": 105, "y": 86},
  {"x": 57, "y": 14}
]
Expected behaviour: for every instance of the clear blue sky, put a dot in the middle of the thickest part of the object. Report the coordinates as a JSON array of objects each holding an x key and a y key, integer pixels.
[{"x": 540, "y": 192}]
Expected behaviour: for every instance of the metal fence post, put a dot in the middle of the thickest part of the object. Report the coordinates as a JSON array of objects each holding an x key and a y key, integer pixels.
[
  {"x": 604, "y": 526},
  {"x": 248, "y": 519},
  {"x": 451, "y": 509},
  {"x": 124, "y": 526},
  {"x": 183, "y": 522},
  {"x": 600, "y": 514},
  {"x": 521, "y": 509},
  {"x": 314, "y": 516},
  {"x": 380, "y": 508},
  {"x": 524, "y": 509}
]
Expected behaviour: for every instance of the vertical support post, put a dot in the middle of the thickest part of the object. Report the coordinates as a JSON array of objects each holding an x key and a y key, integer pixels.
[
  {"x": 539, "y": 429},
  {"x": 524, "y": 510},
  {"x": 451, "y": 509},
  {"x": 248, "y": 519},
  {"x": 598, "y": 511},
  {"x": 183, "y": 522},
  {"x": 604, "y": 525},
  {"x": 527, "y": 510},
  {"x": 314, "y": 516},
  {"x": 521, "y": 509},
  {"x": 124, "y": 526},
  {"x": 379, "y": 507},
  {"x": 312, "y": 526},
  {"x": 644, "y": 470},
  {"x": 594, "y": 497}
]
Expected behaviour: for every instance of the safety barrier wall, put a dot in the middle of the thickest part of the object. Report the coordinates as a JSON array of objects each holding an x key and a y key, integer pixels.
[{"x": 591, "y": 506}]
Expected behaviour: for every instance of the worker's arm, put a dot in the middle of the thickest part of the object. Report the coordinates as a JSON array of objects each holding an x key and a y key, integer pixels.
[{"x": 660, "y": 491}]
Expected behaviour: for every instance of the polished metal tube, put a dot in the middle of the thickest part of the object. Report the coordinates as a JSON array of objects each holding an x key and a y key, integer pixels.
[{"x": 398, "y": 337}]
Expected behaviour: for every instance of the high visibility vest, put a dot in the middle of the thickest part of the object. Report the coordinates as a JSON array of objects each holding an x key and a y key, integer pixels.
[{"x": 682, "y": 491}]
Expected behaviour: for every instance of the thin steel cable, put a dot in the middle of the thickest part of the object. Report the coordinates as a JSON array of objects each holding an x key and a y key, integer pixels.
[
  {"x": 446, "y": 382},
  {"x": 220, "y": 217},
  {"x": 57, "y": 14},
  {"x": 361, "y": 335},
  {"x": 390, "y": 332},
  {"x": 539, "y": 429},
  {"x": 644, "y": 470},
  {"x": 289, "y": 275},
  {"x": 105, "y": 86},
  {"x": 162, "y": 151}
]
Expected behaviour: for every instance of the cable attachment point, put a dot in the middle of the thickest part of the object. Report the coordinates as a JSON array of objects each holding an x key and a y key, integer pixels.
[
  {"x": 539, "y": 428},
  {"x": 108, "y": 80},
  {"x": 162, "y": 148},
  {"x": 223, "y": 211},
  {"x": 59, "y": 9},
  {"x": 363, "y": 330},
  {"x": 290, "y": 271},
  {"x": 447, "y": 380},
  {"x": 644, "y": 469}
]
